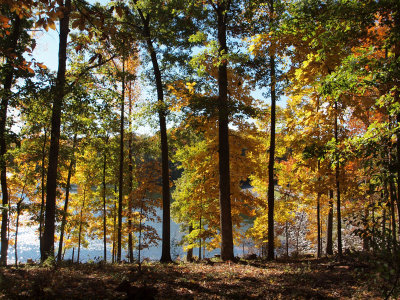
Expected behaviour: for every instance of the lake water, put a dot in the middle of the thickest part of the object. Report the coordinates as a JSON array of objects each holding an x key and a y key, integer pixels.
[{"x": 28, "y": 246}]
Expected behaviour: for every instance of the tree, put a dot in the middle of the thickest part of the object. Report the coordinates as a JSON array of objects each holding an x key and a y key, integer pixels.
[{"x": 59, "y": 92}]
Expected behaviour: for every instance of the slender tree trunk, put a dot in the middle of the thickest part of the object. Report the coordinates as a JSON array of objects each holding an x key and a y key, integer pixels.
[
  {"x": 338, "y": 212},
  {"x": 8, "y": 80},
  {"x": 67, "y": 190},
  {"x": 104, "y": 200},
  {"x": 42, "y": 204},
  {"x": 80, "y": 225},
  {"x": 319, "y": 245},
  {"x": 287, "y": 238},
  {"x": 366, "y": 237},
  {"x": 200, "y": 241},
  {"x": 393, "y": 212},
  {"x": 223, "y": 138},
  {"x": 383, "y": 226},
  {"x": 16, "y": 233},
  {"x": 49, "y": 228},
  {"x": 73, "y": 254},
  {"x": 121, "y": 164},
  {"x": 271, "y": 190},
  {"x": 374, "y": 229},
  {"x": 114, "y": 228},
  {"x": 130, "y": 183},
  {"x": 166, "y": 230},
  {"x": 397, "y": 100},
  {"x": 329, "y": 234},
  {"x": 189, "y": 255},
  {"x": 140, "y": 237}
]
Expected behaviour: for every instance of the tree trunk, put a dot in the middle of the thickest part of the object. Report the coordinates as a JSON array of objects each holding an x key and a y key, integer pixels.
[
  {"x": 319, "y": 245},
  {"x": 8, "y": 80},
  {"x": 114, "y": 227},
  {"x": 16, "y": 233},
  {"x": 49, "y": 228},
  {"x": 104, "y": 200},
  {"x": 329, "y": 233},
  {"x": 271, "y": 190},
  {"x": 383, "y": 226},
  {"x": 140, "y": 237},
  {"x": 200, "y": 240},
  {"x": 130, "y": 183},
  {"x": 287, "y": 238},
  {"x": 189, "y": 255},
  {"x": 80, "y": 225},
  {"x": 338, "y": 213},
  {"x": 166, "y": 230},
  {"x": 121, "y": 164},
  {"x": 397, "y": 100},
  {"x": 67, "y": 189},
  {"x": 223, "y": 139},
  {"x": 43, "y": 176},
  {"x": 366, "y": 228},
  {"x": 393, "y": 212}
]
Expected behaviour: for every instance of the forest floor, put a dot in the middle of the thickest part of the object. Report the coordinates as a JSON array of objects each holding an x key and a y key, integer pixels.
[{"x": 326, "y": 278}]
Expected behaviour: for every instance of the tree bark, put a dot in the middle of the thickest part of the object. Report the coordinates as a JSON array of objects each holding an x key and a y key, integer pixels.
[
  {"x": 393, "y": 212},
  {"x": 319, "y": 245},
  {"x": 223, "y": 137},
  {"x": 130, "y": 183},
  {"x": 329, "y": 234},
  {"x": 49, "y": 228},
  {"x": 166, "y": 230},
  {"x": 337, "y": 165},
  {"x": 80, "y": 225},
  {"x": 42, "y": 204},
  {"x": 189, "y": 255},
  {"x": 67, "y": 189},
  {"x": 104, "y": 200},
  {"x": 287, "y": 238},
  {"x": 8, "y": 80},
  {"x": 366, "y": 228},
  {"x": 271, "y": 190},
  {"x": 397, "y": 100},
  {"x": 121, "y": 165}
]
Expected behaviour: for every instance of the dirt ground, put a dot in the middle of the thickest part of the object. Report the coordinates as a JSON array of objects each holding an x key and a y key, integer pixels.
[{"x": 255, "y": 279}]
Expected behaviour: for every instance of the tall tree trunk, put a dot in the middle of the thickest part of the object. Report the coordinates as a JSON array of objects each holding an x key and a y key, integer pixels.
[
  {"x": 329, "y": 229},
  {"x": 140, "y": 237},
  {"x": 271, "y": 190},
  {"x": 287, "y": 238},
  {"x": 223, "y": 138},
  {"x": 166, "y": 230},
  {"x": 16, "y": 234},
  {"x": 338, "y": 212},
  {"x": 8, "y": 80},
  {"x": 104, "y": 200},
  {"x": 121, "y": 164},
  {"x": 200, "y": 240},
  {"x": 49, "y": 228},
  {"x": 114, "y": 228},
  {"x": 189, "y": 255},
  {"x": 130, "y": 183},
  {"x": 366, "y": 228},
  {"x": 383, "y": 225},
  {"x": 67, "y": 190},
  {"x": 393, "y": 212},
  {"x": 80, "y": 226},
  {"x": 397, "y": 100},
  {"x": 43, "y": 176},
  {"x": 319, "y": 245}
]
